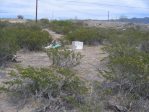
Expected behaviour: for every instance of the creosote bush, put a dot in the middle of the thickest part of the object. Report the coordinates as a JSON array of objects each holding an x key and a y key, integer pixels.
[
  {"x": 64, "y": 27},
  {"x": 54, "y": 84},
  {"x": 8, "y": 46},
  {"x": 145, "y": 46},
  {"x": 64, "y": 57},
  {"x": 125, "y": 89},
  {"x": 90, "y": 36},
  {"x": 44, "y": 23},
  {"x": 33, "y": 40},
  {"x": 17, "y": 36},
  {"x": 127, "y": 76}
]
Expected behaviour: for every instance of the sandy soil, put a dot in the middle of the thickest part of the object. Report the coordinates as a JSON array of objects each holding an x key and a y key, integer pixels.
[
  {"x": 33, "y": 59},
  {"x": 90, "y": 64},
  {"x": 54, "y": 35}
]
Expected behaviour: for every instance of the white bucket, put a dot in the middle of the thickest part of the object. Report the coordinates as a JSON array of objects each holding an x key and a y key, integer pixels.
[{"x": 77, "y": 45}]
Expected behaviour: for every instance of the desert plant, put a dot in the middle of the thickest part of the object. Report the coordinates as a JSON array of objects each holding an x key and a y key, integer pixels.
[
  {"x": 127, "y": 74},
  {"x": 64, "y": 57},
  {"x": 126, "y": 81},
  {"x": 64, "y": 27},
  {"x": 145, "y": 46},
  {"x": 8, "y": 46},
  {"x": 44, "y": 23},
  {"x": 54, "y": 84},
  {"x": 90, "y": 36},
  {"x": 16, "y": 36},
  {"x": 33, "y": 40}
]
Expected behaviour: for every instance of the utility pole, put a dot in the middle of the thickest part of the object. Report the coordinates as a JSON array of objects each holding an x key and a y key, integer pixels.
[
  {"x": 108, "y": 15},
  {"x": 36, "y": 10}
]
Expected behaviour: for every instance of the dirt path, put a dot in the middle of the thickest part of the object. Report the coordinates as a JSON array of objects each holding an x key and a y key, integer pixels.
[
  {"x": 54, "y": 35},
  {"x": 91, "y": 62},
  {"x": 88, "y": 68}
]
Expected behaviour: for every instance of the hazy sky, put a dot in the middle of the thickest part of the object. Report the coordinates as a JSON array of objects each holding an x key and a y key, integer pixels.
[{"x": 81, "y": 9}]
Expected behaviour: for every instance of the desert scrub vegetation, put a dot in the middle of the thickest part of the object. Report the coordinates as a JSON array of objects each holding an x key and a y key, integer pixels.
[
  {"x": 64, "y": 27},
  {"x": 145, "y": 46},
  {"x": 90, "y": 36},
  {"x": 127, "y": 76},
  {"x": 95, "y": 36},
  {"x": 64, "y": 57},
  {"x": 59, "y": 86},
  {"x": 44, "y": 23},
  {"x": 126, "y": 87},
  {"x": 17, "y": 36},
  {"x": 33, "y": 40},
  {"x": 8, "y": 46}
]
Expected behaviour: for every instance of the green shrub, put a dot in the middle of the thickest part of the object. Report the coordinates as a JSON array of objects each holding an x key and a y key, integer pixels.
[
  {"x": 3, "y": 24},
  {"x": 131, "y": 65},
  {"x": 130, "y": 37},
  {"x": 33, "y": 40},
  {"x": 47, "y": 84},
  {"x": 145, "y": 46},
  {"x": 126, "y": 61},
  {"x": 16, "y": 36},
  {"x": 90, "y": 36},
  {"x": 8, "y": 46},
  {"x": 64, "y": 58},
  {"x": 28, "y": 36},
  {"x": 128, "y": 72},
  {"x": 64, "y": 27},
  {"x": 127, "y": 79},
  {"x": 44, "y": 23}
]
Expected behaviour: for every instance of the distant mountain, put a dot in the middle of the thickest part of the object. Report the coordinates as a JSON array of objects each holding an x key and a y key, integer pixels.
[{"x": 135, "y": 20}]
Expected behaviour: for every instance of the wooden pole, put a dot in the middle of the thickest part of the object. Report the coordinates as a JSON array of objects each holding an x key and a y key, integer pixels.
[
  {"x": 36, "y": 10},
  {"x": 108, "y": 15}
]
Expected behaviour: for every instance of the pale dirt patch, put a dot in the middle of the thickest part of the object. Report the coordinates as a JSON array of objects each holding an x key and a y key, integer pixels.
[
  {"x": 90, "y": 64},
  {"x": 34, "y": 59},
  {"x": 54, "y": 35}
]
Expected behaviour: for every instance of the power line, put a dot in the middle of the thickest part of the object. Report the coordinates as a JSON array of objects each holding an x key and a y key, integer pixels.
[
  {"x": 72, "y": 2},
  {"x": 106, "y": 4},
  {"x": 97, "y": 4},
  {"x": 78, "y": 11}
]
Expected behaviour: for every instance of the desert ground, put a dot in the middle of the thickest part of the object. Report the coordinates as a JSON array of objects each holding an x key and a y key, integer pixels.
[{"x": 87, "y": 69}]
